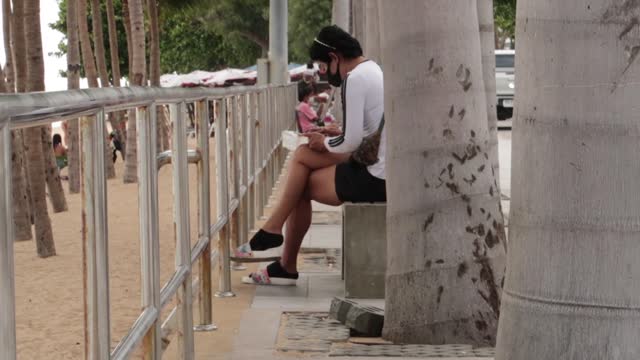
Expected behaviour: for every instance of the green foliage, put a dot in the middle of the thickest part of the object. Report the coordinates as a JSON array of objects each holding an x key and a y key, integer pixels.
[
  {"x": 306, "y": 18},
  {"x": 214, "y": 34},
  {"x": 61, "y": 25},
  {"x": 187, "y": 45},
  {"x": 245, "y": 18},
  {"x": 505, "y": 19}
]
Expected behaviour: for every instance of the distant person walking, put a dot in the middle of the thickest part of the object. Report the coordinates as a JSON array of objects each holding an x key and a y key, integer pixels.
[
  {"x": 116, "y": 145},
  {"x": 60, "y": 152}
]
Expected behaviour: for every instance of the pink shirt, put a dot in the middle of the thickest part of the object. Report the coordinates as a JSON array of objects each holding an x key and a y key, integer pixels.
[{"x": 305, "y": 116}]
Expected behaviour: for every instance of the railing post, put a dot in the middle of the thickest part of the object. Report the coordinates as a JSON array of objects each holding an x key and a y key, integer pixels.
[
  {"x": 148, "y": 214},
  {"x": 7, "y": 284},
  {"x": 223, "y": 202},
  {"x": 237, "y": 182},
  {"x": 251, "y": 155},
  {"x": 204, "y": 218},
  {"x": 244, "y": 202},
  {"x": 94, "y": 231},
  {"x": 260, "y": 154},
  {"x": 183, "y": 244},
  {"x": 264, "y": 140}
]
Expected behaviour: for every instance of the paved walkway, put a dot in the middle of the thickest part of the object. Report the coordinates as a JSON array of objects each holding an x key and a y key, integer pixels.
[
  {"x": 265, "y": 330},
  {"x": 273, "y": 323}
]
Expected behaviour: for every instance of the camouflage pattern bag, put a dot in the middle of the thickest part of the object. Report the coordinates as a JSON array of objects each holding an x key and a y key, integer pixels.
[{"x": 367, "y": 152}]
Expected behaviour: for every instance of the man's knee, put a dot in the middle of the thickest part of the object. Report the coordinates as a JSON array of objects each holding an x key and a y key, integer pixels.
[{"x": 301, "y": 153}]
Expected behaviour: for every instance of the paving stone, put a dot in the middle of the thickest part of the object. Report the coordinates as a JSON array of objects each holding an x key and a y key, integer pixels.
[
  {"x": 340, "y": 308},
  {"x": 365, "y": 320}
]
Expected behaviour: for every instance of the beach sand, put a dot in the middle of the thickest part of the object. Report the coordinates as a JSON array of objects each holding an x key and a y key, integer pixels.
[{"x": 49, "y": 292}]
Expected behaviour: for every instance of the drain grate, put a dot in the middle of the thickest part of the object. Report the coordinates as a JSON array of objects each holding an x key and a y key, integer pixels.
[
  {"x": 434, "y": 351},
  {"x": 317, "y": 333},
  {"x": 310, "y": 332}
]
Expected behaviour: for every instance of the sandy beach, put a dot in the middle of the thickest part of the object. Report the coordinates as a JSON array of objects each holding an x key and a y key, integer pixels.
[{"x": 49, "y": 292}]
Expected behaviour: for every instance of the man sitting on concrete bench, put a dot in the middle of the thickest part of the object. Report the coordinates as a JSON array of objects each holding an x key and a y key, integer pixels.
[{"x": 336, "y": 166}]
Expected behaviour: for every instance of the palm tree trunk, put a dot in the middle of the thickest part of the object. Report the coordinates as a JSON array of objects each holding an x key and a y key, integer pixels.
[
  {"x": 18, "y": 42},
  {"x": 33, "y": 136},
  {"x": 103, "y": 73},
  {"x": 127, "y": 30},
  {"x": 7, "y": 18},
  {"x": 487, "y": 36},
  {"x": 154, "y": 68},
  {"x": 444, "y": 262},
  {"x": 138, "y": 67},
  {"x": 21, "y": 184},
  {"x": 21, "y": 203},
  {"x": 98, "y": 43},
  {"x": 117, "y": 119},
  {"x": 90, "y": 69},
  {"x": 73, "y": 82},
  {"x": 572, "y": 289}
]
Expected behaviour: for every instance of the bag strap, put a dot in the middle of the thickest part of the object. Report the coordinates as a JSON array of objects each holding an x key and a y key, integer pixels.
[{"x": 381, "y": 124}]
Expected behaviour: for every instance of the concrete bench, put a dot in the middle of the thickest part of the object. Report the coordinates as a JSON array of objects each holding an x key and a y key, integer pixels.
[{"x": 364, "y": 244}]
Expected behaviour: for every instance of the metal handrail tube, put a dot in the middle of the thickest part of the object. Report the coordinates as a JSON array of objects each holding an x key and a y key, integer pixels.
[
  {"x": 149, "y": 221},
  {"x": 164, "y": 158},
  {"x": 205, "y": 322},
  {"x": 171, "y": 287},
  {"x": 202, "y": 243},
  {"x": 215, "y": 228},
  {"x": 224, "y": 289},
  {"x": 255, "y": 164},
  {"x": 112, "y": 99},
  {"x": 182, "y": 223},
  {"x": 94, "y": 235},
  {"x": 7, "y": 278},
  {"x": 140, "y": 327}
]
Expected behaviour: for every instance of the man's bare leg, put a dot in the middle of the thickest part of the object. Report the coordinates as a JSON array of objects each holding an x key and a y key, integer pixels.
[
  {"x": 298, "y": 224},
  {"x": 303, "y": 163}
]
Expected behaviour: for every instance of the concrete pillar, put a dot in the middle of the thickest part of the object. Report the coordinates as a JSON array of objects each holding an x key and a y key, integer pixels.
[
  {"x": 278, "y": 42},
  {"x": 341, "y": 14}
]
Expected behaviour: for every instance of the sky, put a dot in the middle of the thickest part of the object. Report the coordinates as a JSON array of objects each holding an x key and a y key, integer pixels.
[{"x": 50, "y": 40}]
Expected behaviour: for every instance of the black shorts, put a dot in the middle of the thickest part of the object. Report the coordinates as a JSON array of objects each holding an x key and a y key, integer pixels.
[{"x": 355, "y": 184}]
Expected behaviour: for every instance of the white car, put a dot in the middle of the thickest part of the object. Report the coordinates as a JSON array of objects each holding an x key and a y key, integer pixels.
[{"x": 505, "y": 82}]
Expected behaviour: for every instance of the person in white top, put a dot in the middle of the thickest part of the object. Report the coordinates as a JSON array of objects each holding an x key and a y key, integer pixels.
[{"x": 330, "y": 168}]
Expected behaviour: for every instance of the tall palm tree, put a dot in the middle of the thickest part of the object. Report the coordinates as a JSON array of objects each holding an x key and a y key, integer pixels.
[
  {"x": 90, "y": 69},
  {"x": 117, "y": 119},
  {"x": 572, "y": 289},
  {"x": 33, "y": 136},
  {"x": 88, "y": 60},
  {"x": 98, "y": 43},
  {"x": 73, "y": 82},
  {"x": 445, "y": 259},
  {"x": 487, "y": 42},
  {"x": 138, "y": 71},
  {"x": 21, "y": 207},
  {"x": 7, "y": 18},
  {"x": 154, "y": 70}
]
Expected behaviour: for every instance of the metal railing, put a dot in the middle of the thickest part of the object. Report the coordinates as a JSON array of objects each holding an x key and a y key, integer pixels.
[{"x": 249, "y": 150}]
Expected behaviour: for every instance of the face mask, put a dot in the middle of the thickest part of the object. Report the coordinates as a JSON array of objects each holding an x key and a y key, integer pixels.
[{"x": 335, "y": 79}]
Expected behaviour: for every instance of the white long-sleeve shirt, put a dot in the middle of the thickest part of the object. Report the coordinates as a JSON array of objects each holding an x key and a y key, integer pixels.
[{"x": 363, "y": 105}]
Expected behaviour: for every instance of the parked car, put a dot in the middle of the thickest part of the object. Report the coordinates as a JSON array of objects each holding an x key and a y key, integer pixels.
[{"x": 505, "y": 82}]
